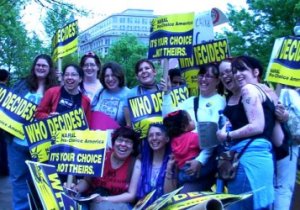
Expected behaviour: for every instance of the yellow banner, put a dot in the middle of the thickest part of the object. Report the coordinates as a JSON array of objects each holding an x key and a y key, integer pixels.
[
  {"x": 65, "y": 40},
  {"x": 15, "y": 111},
  {"x": 146, "y": 109},
  {"x": 284, "y": 65},
  {"x": 174, "y": 23},
  {"x": 39, "y": 134},
  {"x": 283, "y": 74},
  {"x": 79, "y": 152},
  {"x": 47, "y": 184}
]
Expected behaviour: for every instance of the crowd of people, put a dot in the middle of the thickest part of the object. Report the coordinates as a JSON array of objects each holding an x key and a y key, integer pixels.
[{"x": 170, "y": 156}]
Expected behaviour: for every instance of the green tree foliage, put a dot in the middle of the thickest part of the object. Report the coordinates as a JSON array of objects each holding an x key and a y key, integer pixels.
[
  {"x": 17, "y": 49},
  {"x": 127, "y": 51},
  {"x": 255, "y": 30},
  {"x": 56, "y": 18}
]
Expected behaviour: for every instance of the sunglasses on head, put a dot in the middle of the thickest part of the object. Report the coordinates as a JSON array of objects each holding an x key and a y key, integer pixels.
[{"x": 90, "y": 54}]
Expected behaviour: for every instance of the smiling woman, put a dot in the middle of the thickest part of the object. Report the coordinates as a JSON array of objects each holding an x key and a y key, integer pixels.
[
  {"x": 112, "y": 98},
  {"x": 157, "y": 164},
  {"x": 91, "y": 65},
  {"x": 32, "y": 88},
  {"x": 61, "y": 99},
  {"x": 118, "y": 185}
]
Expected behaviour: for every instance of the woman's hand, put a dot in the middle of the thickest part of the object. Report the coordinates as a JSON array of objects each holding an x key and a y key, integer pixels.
[
  {"x": 171, "y": 163},
  {"x": 222, "y": 135},
  {"x": 195, "y": 167},
  {"x": 165, "y": 85},
  {"x": 281, "y": 113},
  {"x": 100, "y": 199}
]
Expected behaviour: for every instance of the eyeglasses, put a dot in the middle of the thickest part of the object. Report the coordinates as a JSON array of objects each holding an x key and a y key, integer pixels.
[
  {"x": 206, "y": 76},
  {"x": 86, "y": 65},
  {"x": 227, "y": 72},
  {"x": 126, "y": 141},
  {"x": 44, "y": 66},
  {"x": 71, "y": 75}
]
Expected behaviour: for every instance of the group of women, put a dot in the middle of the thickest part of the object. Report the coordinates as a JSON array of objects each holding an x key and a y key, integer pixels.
[{"x": 250, "y": 108}]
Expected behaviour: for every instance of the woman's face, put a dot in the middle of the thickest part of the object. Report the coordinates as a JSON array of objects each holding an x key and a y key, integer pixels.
[
  {"x": 146, "y": 74},
  {"x": 71, "y": 79},
  {"x": 245, "y": 76},
  {"x": 208, "y": 83},
  {"x": 226, "y": 76},
  {"x": 90, "y": 68},
  {"x": 41, "y": 68},
  {"x": 123, "y": 147},
  {"x": 111, "y": 81},
  {"x": 157, "y": 139}
]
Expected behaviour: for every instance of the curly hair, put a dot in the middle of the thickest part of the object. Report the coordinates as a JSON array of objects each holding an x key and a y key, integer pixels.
[
  {"x": 176, "y": 123},
  {"x": 127, "y": 132}
]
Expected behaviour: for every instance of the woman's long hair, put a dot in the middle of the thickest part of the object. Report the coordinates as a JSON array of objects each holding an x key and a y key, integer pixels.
[
  {"x": 50, "y": 80},
  {"x": 146, "y": 160}
]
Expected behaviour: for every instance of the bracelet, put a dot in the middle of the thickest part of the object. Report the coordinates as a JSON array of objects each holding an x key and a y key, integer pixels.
[{"x": 228, "y": 137}]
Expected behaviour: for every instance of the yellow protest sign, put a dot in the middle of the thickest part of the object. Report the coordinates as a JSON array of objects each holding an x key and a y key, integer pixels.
[
  {"x": 211, "y": 52},
  {"x": 15, "y": 111},
  {"x": 47, "y": 184},
  {"x": 171, "y": 36},
  {"x": 146, "y": 109},
  {"x": 39, "y": 134},
  {"x": 284, "y": 65},
  {"x": 79, "y": 152},
  {"x": 65, "y": 40}
]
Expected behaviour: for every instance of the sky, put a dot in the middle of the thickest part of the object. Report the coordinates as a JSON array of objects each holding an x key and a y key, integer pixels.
[{"x": 103, "y": 8}]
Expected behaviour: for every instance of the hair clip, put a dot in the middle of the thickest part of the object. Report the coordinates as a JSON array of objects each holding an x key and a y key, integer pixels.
[
  {"x": 90, "y": 54},
  {"x": 172, "y": 114}
]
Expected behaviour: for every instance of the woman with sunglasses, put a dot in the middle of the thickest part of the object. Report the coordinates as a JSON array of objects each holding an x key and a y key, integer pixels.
[
  {"x": 91, "y": 65},
  {"x": 250, "y": 110}
]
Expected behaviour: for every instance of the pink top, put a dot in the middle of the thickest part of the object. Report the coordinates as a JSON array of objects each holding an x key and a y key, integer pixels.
[{"x": 185, "y": 147}]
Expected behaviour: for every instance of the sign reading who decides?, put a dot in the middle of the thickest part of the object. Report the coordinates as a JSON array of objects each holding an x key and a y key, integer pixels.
[
  {"x": 15, "y": 111},
  {"x": 39, "y": 134},
  {"x": 65, "y": 40}
]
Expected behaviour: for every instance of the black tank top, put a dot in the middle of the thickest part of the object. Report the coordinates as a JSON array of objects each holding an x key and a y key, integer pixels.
[{"x": 237, "y": 116}]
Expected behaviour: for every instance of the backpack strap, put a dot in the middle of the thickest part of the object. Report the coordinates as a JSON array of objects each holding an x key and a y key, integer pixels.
[
  {"x": 196, "y": 105},
  {"x": 244, "y": 149}
]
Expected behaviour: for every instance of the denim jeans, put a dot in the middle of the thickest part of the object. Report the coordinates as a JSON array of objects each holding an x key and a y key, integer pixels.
[
  {"x": 238, "y": 186},
  {"x": 205, "y": 180},
  {"x": 18, "y": 174}
]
